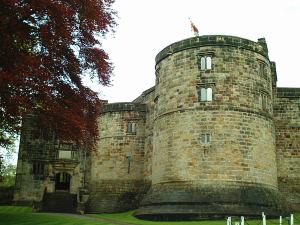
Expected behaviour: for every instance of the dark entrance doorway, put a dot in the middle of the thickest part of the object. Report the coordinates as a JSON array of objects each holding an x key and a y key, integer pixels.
[{"x": 62, "y": 182}]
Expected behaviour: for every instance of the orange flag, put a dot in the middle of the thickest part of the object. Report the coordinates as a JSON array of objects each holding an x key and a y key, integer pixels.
[{"x": 194, "y": 28}]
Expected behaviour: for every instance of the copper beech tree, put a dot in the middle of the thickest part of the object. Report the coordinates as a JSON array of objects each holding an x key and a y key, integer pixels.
[{"x": 46, "y": 48}]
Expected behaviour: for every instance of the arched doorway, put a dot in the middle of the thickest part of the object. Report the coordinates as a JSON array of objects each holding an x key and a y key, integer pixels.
[{"x": 62, "y": 181}]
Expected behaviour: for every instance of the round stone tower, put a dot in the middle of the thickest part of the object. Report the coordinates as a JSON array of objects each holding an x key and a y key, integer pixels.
[{"x": 213, "y": 140}]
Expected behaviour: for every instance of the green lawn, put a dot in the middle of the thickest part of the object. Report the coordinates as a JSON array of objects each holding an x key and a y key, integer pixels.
[
  {"x": 16, "y": 215},
  {"x": 128, "y": 217}
]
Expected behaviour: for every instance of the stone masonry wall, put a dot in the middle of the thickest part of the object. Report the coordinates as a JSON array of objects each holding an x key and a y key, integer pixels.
[
  {"x": 117, "y": 182},
  {"x": 28, "y": 189},
  {"x": 250, "y": 160},
  {"x": 34, "y": 147},
  {"x": 287, "y": 124},
  {"x": 241, "y": 150},
  {"x": 148, "y": 98}
]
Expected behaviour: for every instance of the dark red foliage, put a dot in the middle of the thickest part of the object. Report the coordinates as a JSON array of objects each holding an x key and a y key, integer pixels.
[{"x": 45, "y": 48}]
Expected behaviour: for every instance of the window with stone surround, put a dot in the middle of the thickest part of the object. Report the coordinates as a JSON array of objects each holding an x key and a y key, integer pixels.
[
  {"x": 131, "y": 127},
  {"x": 38, "y": 170},
  {"x": 205, "y": 94},
  {"x": 205, "y": 138},
  {"x": 263, "y": 69},
  {"x": 205, "y": 62},
  {"x": 263, "y": 101}
]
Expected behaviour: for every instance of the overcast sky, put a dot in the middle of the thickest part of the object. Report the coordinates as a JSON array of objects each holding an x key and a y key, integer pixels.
[{"x": 147, "y": 26}]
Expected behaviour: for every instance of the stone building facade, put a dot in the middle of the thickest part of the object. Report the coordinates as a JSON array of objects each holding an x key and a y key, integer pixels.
[{"x": 215, "y": 136}]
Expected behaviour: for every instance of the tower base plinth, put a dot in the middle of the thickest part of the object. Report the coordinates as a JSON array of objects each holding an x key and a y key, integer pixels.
[{"x": 179, "y": 202}]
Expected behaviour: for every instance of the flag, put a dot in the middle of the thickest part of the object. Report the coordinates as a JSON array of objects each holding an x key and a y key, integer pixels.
[{"x": 194, "y": 29}]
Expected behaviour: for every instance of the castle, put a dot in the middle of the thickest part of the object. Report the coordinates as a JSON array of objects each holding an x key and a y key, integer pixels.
[{"x": 215, "y": 136}]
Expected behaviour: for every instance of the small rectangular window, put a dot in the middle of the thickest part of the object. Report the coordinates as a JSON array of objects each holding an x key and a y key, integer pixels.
[
  {"x": 38, "y": 168},
  {"x": 131, "y": 127},
  {"x": 263, "y": 69},
  {"x": 205, "y": 94},
  {"x": 64, "y": 154},
  {"x": 209, "y": 94},
  {"x": 263, "y": 101},
  {"x": 205, "y": 62},
  {"x": 208, "y": 63},
  {"x": 205, "y": 138}
]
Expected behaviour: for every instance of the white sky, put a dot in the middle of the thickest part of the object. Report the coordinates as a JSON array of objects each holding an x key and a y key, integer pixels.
[{"x": 147, "y": 26}]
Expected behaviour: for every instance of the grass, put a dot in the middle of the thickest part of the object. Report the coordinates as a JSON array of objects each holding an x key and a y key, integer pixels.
[
  {"x": 17, "y": 215},
  {"x": 129, "y": 218}
]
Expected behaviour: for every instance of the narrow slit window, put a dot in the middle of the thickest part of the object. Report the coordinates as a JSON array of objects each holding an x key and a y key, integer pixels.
[
  {"x": 203, "y": 94},
  {"x": 203, "y": 63},
  {"x": 208, "y": 63},
  {"x": 209, "y": 94},
  {"x": 264, "y": 102}
]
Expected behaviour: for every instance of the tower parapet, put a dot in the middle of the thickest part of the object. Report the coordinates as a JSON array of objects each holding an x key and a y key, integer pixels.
[{"x": 259, "y": 47}]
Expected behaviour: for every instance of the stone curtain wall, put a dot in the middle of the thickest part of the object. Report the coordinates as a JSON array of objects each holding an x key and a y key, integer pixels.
[
  {"x": 287, "y": 123},
  {"x": 148, "y": 98},
  {"x": 117, "y": 182}
]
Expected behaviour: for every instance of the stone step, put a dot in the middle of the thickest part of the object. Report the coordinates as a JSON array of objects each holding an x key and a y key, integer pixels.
[{"x": 62, "y": 202}]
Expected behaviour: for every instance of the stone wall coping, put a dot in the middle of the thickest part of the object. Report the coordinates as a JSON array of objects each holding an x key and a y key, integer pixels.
[
  {"x": 213, "y": 40},
  {"x": 284, "y": 92},
  {"x": 123, "y": 106},
  {"x": 144, "y": 94}
]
